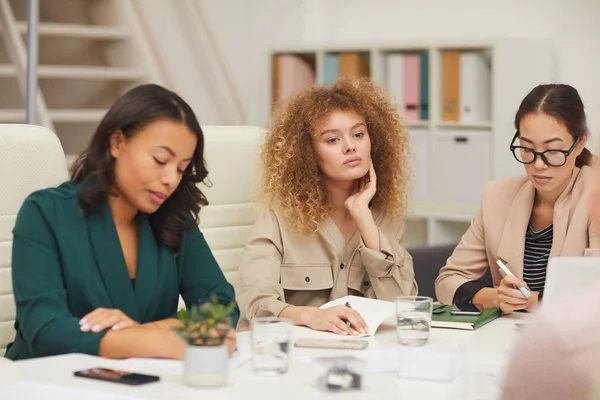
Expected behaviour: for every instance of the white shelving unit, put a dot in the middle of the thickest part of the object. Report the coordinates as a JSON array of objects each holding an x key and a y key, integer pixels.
[{"x": 455, "y": 159}]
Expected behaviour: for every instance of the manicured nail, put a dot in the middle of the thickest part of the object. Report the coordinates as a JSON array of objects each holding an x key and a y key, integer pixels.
[
  {"x": 96, "y": 328},
  {"x": 85, "y": 327},
  {"x": 115, "y": 327},
  {"x": 82, "y": 321}
]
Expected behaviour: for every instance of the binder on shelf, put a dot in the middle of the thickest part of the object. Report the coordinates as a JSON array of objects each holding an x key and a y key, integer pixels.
[
  {"x": 412, "y": 84},
  {"x": 395, "y": 79},
  {"x": 274, "y": 79},
  {"x": 354, "y": 64},
  {"x": 331, "y": 68},
  {"x": 424, "y": 112},
  {"x": 295, "y": 72},
  {"x": 475, "y": 87},
  {"x": 451, "y": 78}
]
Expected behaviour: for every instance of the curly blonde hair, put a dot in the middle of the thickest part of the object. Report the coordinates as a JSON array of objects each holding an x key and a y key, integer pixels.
[{"x": 291, "y": 180}]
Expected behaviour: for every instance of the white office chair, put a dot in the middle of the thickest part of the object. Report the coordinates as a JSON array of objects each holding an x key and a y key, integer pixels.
[
  {"x": 32, "y": 159},
  {"x": 232, "y": 155}
]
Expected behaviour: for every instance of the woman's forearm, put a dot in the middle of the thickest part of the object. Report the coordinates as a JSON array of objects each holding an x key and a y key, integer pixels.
[
  {"x": 487, "y": 297},
  {"x": 369, "y": 232},
  {"x": 168, "y": 323},
  {"x": 142, "y": 342},
  {"x": 296, "y": 314}
]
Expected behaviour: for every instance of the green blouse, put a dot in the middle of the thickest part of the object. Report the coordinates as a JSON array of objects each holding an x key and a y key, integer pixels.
[{"x": 65, "y": 265}]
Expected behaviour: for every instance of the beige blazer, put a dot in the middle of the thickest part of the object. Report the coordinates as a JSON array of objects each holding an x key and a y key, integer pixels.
[
  {"x": 498, "y": 230},
  {"x": 280, "y": 268}
]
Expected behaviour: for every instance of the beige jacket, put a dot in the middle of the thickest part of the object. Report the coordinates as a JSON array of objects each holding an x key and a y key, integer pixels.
[
  {"x": 280, "y": 268},
  {"x": 498, "y": 230}
]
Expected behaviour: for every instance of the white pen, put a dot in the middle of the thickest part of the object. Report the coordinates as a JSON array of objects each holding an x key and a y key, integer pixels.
[{"x": 504, "y": 269}]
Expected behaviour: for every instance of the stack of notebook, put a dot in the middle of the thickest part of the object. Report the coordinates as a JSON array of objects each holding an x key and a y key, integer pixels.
[{"x": 442, "y": 318}]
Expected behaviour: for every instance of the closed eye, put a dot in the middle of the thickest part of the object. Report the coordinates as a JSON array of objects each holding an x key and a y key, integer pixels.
[{"x": 159, "y": 162}]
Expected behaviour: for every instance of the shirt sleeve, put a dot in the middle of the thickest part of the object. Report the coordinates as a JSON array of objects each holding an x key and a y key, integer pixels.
[
  {"x": 201, "y": 276},
  {"x": 468, "y": 262},
  {"x": 47, "y": 325},
  {"x": 261, "y": 293},
  {"x": 390, "y": 270},
  {"x": 465, "y": 292}
]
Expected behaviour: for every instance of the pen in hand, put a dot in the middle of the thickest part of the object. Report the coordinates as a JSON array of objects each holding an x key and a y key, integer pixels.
[
  {"x": 348, "y": 324},
  {"x": 350, "y": 307},
  {"x": 505, "y": 269}
]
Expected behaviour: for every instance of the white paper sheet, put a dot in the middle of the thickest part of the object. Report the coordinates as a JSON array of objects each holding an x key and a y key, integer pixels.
[
  {"x": 373, "y": 311},
  {"x": 436, "y": 363},
  {"x": 29, "y": 390},
  {"x": 175, "y": 367}
]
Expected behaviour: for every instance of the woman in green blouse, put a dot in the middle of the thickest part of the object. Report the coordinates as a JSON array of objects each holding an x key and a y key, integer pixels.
[{"x": 98, "y": 263}]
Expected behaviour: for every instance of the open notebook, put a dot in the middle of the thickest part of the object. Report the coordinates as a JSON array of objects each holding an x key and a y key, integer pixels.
[{"x": 374, "y": 312}]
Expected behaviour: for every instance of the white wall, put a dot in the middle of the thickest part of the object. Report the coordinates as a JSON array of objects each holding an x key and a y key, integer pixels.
[
  {"x": 243, "y": 31},
  {"x": 246, "y": 30}
]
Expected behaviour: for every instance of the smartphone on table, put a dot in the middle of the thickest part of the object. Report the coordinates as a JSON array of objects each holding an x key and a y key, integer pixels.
[
  {"x": 111, "y": 375},
  {"x": 466, "y": 309}
]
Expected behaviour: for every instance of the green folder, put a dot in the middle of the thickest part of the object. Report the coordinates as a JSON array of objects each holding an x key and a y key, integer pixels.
[
  {"x": 465, "y": 322},
  {"x": 424, "y": 114}
]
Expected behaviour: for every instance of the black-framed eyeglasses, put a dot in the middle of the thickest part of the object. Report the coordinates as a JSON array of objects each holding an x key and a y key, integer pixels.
[{"x": 552, "y": 158}]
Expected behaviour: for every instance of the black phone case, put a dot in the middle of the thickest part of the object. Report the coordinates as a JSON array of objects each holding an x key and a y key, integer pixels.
[{"x": 147, "y": 379}]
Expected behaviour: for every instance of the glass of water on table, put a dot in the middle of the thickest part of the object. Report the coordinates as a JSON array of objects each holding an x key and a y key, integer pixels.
[
  {"x": 413, "y": 316},
  {"x": 271, "y": 339}
]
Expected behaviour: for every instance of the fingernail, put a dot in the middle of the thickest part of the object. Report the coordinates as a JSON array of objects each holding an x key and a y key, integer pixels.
[
  {"x": 364, "y": 331},
  {"x": 115, "y": 327},
  {"x": 82, "y": 321},
  {"x": 96, "y": 328},
  {"x": 85, "y": 327}
]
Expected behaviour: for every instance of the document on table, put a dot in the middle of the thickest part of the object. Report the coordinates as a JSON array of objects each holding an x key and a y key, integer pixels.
[
  {"x": 175, "y": 367},
  {"x": 435, "y": 363},
  {"x": 373, "y": 311},
  {"x": 22, "y": 390}
]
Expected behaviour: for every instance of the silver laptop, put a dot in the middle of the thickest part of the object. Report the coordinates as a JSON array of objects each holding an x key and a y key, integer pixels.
[{"x": 568, "y": 278}]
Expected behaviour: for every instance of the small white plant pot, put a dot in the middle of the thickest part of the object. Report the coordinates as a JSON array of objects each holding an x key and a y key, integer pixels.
[{"x": 206, "y": 366}]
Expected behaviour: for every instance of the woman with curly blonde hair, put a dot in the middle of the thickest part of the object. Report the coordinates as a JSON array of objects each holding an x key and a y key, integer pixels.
[{"x": 335, "y": 176}]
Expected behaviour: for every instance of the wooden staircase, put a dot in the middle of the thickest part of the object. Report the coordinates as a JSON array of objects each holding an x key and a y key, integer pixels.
[{"x": 90, "y": 52}]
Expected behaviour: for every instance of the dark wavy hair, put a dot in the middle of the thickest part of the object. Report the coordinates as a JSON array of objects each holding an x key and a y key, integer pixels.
[{"x": 133, "y": 111}]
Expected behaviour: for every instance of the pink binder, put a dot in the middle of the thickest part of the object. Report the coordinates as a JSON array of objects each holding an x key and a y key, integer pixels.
[
  {"x": 412, "y": 86},
  {"x": 294, "y": 74}
]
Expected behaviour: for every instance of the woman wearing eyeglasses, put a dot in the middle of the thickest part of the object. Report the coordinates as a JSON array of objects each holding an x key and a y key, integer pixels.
[{"x": 525, "y": 220}]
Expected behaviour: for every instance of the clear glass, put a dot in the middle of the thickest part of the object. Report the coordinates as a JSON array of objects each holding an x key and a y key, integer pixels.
[
  {"x": 413, "y": 315},
  {"x": 271, "y": 339}
]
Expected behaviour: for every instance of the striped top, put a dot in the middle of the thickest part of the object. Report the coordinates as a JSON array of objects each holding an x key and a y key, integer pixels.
[{"x": 537, "y": 250}]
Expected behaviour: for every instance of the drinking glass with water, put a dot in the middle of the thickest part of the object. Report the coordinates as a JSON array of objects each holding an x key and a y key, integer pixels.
[
  {"x": 413, "y": 315},
  {"x": 271, "y": 339}
]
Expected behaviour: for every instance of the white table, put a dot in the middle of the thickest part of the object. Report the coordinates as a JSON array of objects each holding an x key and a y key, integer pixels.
[{"x": 487, "y": 351}]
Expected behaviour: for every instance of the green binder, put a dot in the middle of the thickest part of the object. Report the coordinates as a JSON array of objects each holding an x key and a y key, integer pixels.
[
  {"x": 424, "y": 114},
  {"x": 465, "y": 322}
]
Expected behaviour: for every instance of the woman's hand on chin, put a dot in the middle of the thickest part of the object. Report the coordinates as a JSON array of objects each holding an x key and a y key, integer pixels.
[{"x": 358, "y": 202}]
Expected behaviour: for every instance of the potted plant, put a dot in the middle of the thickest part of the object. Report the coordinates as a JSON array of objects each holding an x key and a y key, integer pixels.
[{"x": 204, "y": 328}]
